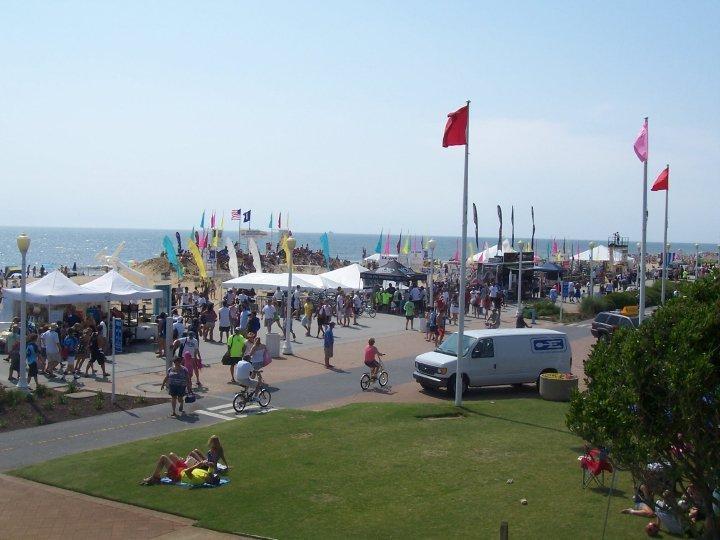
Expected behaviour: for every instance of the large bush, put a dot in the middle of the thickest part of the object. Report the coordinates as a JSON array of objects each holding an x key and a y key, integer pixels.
[
  {"x": 543, "y": 308},
  {"x": 653, "y": 395}
]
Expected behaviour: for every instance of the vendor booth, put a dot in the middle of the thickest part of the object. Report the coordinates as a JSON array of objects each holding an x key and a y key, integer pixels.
[{"x": 391, "y": 271}]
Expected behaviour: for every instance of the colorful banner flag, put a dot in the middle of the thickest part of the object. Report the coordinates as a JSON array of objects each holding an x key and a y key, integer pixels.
[
  {"x": 456, "y": 128},
  {"x": 198, "y": 258},
  {"x": 406, "y": 246},
  {"x": 270, "y": 225},
  {"x": 246, "y": 216},
  {"x": 386, "y": 251},
  {"x": 477, "y": 240},
  {"x": 202, "y": 220},
  {"x": 212, "y": 220},
  {"x": 172, "y": 256},
  {"x": 280, "y": 220},
  {"x": 456, "y": 257},
  {"x": 232, "y": 256},
  {"x": 532, "y": 239},
  {"x": 641, "y": 143},
  {"x": 378, "y": 246},
  {"x": 662, "y": 182},
  {"x": 179, "y": 242},
  {"x": 325, "y": 243},
  {"x": 512, "y": 226},
  {"x": 399, "y": 243},
  {"x": 499, "y": 212}
]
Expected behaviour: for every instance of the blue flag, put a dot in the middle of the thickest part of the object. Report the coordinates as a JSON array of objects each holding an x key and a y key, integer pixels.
[
  {"x": 325, "y": 243},
  {"x": 172, "y": 256},
  {"x": 378, "y": 246},
  {"x": 202, "y": 220}
]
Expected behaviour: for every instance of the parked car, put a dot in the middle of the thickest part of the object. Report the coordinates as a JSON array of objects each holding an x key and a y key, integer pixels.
[
  {"x": 495, "y": 357},
  {"x": 606, "y": 322}
]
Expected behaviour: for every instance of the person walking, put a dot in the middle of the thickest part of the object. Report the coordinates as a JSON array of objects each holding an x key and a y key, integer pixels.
[
  {"x": 236, "y": 348},
  {"x": 328, "y": 344},
  {"x": 409, "y": 309},
  {"x": 178, "y": 382}
]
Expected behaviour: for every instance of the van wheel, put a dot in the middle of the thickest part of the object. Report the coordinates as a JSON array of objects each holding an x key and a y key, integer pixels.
[
  {"x": 451, "y": 386},
  {"x": 537, "y": 381}
]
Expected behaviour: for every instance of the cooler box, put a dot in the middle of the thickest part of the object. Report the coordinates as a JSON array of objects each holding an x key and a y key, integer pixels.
[{"x": 272, "y": 342}]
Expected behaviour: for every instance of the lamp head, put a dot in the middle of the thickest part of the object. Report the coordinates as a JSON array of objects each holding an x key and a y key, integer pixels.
[
  {"x": 431, "y": 244},
  {"x": 592, "y": 245},
  {"x": 521, "y": 244},
  {"x": 697, "y": 245},
  {"x": 291, "y": 243},
  {"x": 23, "y": 243},
  {"x": 667, "y": 246}
]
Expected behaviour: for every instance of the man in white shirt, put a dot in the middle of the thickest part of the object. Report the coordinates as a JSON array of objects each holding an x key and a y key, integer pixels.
[
  {"x": 340, "y": 305},
  {"x": 224, "y": 321},
  {"x": 278, "y": 296},
  {"x": 178, "y": 327},
  {"x": 268, "y": 313},
  {"x": 51, "y": 342}
]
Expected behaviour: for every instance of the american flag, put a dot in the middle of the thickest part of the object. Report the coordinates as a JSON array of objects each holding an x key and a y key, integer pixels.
[{"x": 235, "y": 215}]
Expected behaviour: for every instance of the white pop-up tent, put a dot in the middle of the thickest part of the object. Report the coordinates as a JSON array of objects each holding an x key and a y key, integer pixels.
[
  {"x": 601, "y": 253},
  {"x": 266, "y": 280},
  {"x": 116, "y": 287},
  {"x": 53, "y": 289},
  {"x": 347, "y": 277}
]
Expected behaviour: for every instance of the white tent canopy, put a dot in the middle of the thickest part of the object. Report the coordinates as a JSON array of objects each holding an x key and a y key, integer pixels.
[
  {"x": 116, "y": 287},
  {"x": 377, "y": 257},
  {"x": 53, "y": 289},
  {"x": 319, "y": 281},
  {"x": 601, "y": 253},
  {"x": 266, "y": 280},
  {"x": 348, "y": 277}
]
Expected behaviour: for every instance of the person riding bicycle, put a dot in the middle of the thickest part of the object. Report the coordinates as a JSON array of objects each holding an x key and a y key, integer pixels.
[
  {"x": 243, "y": 370},
  {"x": 372, "y": 355}
]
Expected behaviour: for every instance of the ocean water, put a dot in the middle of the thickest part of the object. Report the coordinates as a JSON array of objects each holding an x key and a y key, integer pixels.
[{"x": 53, "y": 247}]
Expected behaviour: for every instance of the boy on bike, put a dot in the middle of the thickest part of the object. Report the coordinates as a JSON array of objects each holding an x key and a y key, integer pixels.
[{"x": 372, "y": 355}]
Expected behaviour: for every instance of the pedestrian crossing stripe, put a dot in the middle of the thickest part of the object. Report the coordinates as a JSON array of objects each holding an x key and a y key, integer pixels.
[{"x": 229, "y": 410}]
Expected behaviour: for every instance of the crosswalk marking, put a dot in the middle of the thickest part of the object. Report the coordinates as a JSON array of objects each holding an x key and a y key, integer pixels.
[
  {"x": 217, "y": 407},
  {"x": 231, "y": 414}
]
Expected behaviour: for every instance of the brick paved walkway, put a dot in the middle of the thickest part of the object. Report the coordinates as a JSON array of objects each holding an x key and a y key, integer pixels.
[{"x": 31, "y": 510}]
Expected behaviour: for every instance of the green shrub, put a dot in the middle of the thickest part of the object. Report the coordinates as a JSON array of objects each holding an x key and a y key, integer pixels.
[
  {"x": 543, "y": 308},
  {"x": 11, "y": 397},
  {"x": 41, "y": 391},
  {"x": 592, "y": 305},
  {"x": 99, "y": 400},
  {"x": 619, "y": 300},
  {"x": 72, "y": 387},
  {"x": 63, "y": 399},
  {"x": 3, "y": 424},
  {"x": 49, "y": 406},
  {"x": 39, "y": 420}
]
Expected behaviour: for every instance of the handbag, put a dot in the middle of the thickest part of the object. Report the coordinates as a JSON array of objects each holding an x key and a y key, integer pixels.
[
  {"x": 190, "y": 398},
  {"x": 226, "y": 361}
]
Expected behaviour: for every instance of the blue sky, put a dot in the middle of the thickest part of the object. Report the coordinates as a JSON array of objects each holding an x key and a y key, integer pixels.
[{"x": 140, "y": 114}]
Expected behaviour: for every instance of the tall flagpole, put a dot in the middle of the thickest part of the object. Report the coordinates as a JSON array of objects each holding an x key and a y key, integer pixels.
[
  {"x": 665, "y": 257},
  {"x": 641, "y": 310},
  {"x": 463, "y": 269}
]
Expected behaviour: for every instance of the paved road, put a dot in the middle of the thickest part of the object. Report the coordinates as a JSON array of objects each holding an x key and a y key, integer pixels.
[{"x": 33, "y": 445}]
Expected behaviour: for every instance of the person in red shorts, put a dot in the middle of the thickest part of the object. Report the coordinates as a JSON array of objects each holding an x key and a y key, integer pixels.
[
  {"x": 170, "y": 463},
  {"x": 372, "y": 355}
]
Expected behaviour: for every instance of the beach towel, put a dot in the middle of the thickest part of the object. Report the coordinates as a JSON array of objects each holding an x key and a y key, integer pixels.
[{"x": 166, "y": 481}]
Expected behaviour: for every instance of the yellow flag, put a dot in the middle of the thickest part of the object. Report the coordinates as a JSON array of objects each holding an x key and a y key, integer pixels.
[
  {"x": 284, "y": 247},
  {"x": 198, "y": 258}
]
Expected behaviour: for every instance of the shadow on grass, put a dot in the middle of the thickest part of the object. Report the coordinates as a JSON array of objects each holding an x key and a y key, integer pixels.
[{"x": 485, "y": 393}]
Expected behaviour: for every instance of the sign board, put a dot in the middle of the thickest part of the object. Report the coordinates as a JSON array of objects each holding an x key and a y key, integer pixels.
[
  {"x": 542, "y": 345},
  {"x": 118, "y": 335},
  {"x": 163, "y": 303}
]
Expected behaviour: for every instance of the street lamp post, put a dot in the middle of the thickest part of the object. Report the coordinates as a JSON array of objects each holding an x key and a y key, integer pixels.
[
  {"x": 591, "y": 292},
  {"x": 520, "y": 262},
  {"x": 697, "y": 260},
  {"x": 23, "y": 244},
  {"x": 290, "y": 246},
  {"x": 664, "y": 272},
  {"x": 637, "y": 281},
  {"x": 431, "y": 244}
]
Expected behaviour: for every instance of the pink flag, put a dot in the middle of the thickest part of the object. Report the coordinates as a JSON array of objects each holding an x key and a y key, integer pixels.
[
  {"x": 641, "y": 143},
  {"x": 456, "y": 257},
  {"x": 386, "y": 251},
  {"x": 212, "y": 220},
  {"x": 554, "y": 247}
]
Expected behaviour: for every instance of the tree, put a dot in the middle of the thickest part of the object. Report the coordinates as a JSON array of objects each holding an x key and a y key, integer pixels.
[{"x": 653, "y": 396}]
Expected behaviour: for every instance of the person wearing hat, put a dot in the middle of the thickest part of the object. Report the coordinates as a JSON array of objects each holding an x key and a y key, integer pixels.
[
  {"x": 236, "y": 348},
  {"x": 178, "y": 382}
]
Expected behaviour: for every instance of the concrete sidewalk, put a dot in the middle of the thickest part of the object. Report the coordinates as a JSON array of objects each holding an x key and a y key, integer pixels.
[{"x": 48, "y": 513}]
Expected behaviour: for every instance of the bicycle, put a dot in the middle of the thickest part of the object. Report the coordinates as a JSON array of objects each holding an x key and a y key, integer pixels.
[
  {"x": 260, "y": 395},
  {"x": 368, "y": 310},
  {"x": 382, "y": 377}
]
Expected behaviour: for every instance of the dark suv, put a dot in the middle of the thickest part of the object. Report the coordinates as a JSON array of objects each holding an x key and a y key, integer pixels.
[{"x": 606, "y": 322}]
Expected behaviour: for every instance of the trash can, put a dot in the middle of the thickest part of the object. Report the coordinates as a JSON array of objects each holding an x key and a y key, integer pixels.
[
  {"x": 421, "y": 324},
  {"x": 272, "y": 342}
]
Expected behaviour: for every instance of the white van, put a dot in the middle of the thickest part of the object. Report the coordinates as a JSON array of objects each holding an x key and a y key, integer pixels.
[{"x": 493, "y": 357}]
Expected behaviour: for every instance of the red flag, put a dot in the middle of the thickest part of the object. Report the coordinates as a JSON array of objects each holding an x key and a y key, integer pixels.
[
  {"x": 456, "y": 128},
  {"x": 662, "y": 183}
]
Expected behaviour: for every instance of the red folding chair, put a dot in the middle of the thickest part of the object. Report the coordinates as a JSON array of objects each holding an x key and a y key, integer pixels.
[{"x": 594, "y": 463}]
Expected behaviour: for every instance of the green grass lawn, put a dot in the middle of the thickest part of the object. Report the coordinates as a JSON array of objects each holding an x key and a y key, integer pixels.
[{"x": 373, "y": 470}]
